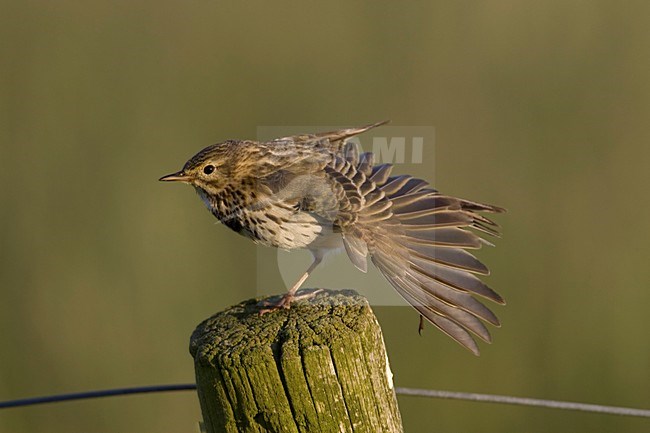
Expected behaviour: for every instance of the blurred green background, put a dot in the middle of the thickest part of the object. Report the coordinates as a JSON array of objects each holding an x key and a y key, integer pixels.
[{"x": 539, "y": 107}]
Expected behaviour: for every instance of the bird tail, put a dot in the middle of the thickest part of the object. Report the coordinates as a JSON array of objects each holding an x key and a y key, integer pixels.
[{"x": 418, "y": 239}]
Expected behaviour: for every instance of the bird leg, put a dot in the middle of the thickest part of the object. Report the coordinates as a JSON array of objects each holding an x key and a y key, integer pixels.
[{"x": 290, "y": 296}]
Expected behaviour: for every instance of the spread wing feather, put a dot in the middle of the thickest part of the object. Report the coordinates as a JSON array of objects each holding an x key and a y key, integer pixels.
[{"x": 419, "y": 239}]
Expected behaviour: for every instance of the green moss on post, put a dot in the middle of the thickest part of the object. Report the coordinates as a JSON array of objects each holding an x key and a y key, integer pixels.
[{"x": 320, "y": 366}]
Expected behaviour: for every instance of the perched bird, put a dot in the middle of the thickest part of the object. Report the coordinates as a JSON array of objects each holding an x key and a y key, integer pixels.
[{"x": 318, "y": 192}]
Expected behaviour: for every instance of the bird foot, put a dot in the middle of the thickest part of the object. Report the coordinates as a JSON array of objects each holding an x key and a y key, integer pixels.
[{"x": 268, "y": 305}]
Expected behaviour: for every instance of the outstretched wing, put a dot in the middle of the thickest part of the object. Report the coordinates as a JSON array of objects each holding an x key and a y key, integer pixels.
[
  {"x": 422, "y": 250},
  {"x": 418, "y": 238}
]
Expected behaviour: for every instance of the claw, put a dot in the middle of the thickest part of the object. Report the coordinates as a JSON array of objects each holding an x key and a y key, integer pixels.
[{"x": 285, "y": 301}]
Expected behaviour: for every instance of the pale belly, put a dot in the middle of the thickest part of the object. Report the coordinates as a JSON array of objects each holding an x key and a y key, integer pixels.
[
  {"x": 289, "y": 230},
  {"x": 279, "y": 226}
]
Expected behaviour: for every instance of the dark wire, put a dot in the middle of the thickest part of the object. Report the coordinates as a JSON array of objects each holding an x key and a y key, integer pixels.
[
  {"x": 489, "y": 398},
  {"x": 96, "y": 394}
]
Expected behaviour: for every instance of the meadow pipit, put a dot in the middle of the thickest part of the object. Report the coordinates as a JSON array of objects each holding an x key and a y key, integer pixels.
[{"x": 318, "y": 192}]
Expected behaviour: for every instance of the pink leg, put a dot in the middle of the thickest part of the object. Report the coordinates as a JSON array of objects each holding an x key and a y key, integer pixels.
[{"x": 290, "y": 296}]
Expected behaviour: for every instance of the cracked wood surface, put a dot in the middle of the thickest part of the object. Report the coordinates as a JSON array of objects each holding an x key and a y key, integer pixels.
[{"x": 320, "y": 366}]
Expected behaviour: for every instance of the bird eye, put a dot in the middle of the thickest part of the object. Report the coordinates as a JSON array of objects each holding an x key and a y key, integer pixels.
[{"x": 208, "y": 169}]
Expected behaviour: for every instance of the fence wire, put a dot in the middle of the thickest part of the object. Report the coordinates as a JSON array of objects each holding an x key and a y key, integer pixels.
[
  {"x": 524, "y": 401},
  {"x": 415, "y": 392}
]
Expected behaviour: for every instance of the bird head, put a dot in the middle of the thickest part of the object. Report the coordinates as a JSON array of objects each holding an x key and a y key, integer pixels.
[{"x": 208, "y": 171}]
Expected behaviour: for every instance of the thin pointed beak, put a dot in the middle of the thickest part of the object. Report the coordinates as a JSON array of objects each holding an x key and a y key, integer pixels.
[{"x": 179, "y": 176}]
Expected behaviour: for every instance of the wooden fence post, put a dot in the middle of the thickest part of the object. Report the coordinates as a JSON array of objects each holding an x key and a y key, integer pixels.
[{"x": 320, "y": 366}]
